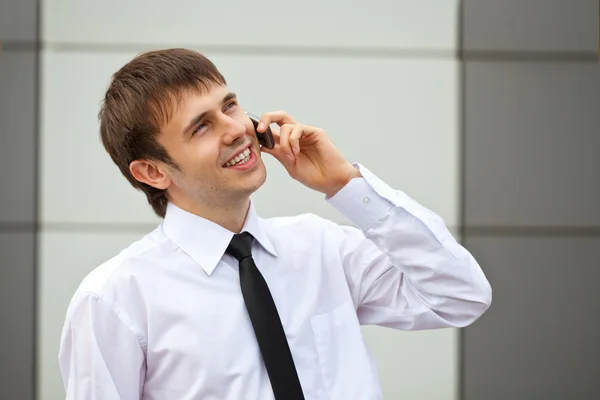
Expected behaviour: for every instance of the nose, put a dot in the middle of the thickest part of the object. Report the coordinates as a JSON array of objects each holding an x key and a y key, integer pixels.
[{"x": 232, "y": 129}]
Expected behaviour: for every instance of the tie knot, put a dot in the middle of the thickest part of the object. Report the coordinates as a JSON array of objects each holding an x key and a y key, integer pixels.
[{"x": 240, "y": 246}]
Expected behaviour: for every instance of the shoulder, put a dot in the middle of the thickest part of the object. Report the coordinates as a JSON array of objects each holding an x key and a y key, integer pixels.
[
  {"x": 103, "y": 278},
  {"x": 310, "y": 226},
  {"x": 309, "y": 221}
]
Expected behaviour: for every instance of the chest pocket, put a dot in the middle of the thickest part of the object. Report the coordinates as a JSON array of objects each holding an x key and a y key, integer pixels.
[{"x": 345, "y": 363}]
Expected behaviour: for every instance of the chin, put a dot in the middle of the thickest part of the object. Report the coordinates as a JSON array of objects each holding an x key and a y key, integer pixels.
[{"x": 253, "y": 181}]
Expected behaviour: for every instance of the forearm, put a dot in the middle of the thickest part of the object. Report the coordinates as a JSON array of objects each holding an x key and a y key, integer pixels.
[{"x": 409, "y": 268}]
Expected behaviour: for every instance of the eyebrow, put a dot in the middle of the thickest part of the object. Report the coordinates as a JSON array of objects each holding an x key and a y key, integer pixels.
[{"x": 196, "y": 120}]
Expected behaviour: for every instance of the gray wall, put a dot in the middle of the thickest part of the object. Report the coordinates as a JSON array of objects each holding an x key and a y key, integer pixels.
[
  {"x": 18, "y": 160},
  {"x": 532, "y": 196}
]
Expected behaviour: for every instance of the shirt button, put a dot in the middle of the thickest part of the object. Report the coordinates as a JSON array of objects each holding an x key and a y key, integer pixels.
[{"x": 366, "y": 200}]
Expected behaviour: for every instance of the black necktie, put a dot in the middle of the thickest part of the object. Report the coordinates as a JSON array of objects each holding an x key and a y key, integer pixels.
[{"x": 266, "y": 323}]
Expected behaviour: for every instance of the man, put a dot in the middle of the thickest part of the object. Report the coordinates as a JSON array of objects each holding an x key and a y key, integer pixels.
[{"x": 218, "y": 303}]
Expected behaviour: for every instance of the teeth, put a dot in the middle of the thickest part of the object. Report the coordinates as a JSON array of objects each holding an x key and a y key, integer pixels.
[{"x": 241, "y": 158}]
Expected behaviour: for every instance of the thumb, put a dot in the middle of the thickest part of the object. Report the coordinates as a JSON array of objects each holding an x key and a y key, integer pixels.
[{"x": 277, "y": 153}]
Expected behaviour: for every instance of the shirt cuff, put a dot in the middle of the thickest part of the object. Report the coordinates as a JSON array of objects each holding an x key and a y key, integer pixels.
[{"x": 365, "y": 200}]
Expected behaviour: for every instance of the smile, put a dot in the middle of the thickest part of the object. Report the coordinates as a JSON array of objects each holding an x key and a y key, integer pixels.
[{"x": 241, "y": 158}]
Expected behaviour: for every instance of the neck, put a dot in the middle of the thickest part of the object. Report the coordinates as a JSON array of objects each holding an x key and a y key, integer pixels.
[{"x": 230, "y": 216}]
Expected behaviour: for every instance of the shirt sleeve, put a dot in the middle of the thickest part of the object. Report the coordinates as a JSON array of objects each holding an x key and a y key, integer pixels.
[
  {"x": 403, "y": 267},
  {"x": 100, "y": 353}
]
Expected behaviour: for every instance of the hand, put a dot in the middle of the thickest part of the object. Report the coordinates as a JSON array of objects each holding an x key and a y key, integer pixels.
[{"x": 308, "y": 154}]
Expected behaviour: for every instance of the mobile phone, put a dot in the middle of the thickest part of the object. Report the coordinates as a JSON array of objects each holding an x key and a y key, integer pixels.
[{"x": 265, "y": 138}]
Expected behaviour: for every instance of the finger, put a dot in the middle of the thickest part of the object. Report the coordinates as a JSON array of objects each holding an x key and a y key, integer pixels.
[
  {"x": 275, "y": 133},
  {"x": 295, "y": 138},
  {"x": 278, "y": 117},
  {"x": 308, "y": 130},
  {"x": 277, "y": 153},
  {"x": 284, "y": 141}
]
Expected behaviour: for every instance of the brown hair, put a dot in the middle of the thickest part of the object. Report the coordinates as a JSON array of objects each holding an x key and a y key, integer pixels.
[{"x": 141, "y": 99}]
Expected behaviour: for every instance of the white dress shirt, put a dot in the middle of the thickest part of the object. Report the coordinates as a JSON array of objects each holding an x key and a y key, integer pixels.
[{"x": 165, "y": 318}]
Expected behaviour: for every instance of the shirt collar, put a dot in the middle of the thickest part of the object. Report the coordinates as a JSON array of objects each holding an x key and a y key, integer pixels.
[{"x": 206, "y": 241}]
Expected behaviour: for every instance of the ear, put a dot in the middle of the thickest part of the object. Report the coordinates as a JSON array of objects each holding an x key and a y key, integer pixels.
[{"x": 150, "y": 173}]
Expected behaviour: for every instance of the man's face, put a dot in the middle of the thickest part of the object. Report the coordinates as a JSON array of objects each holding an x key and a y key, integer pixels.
[{"x": 205, "y": 133}]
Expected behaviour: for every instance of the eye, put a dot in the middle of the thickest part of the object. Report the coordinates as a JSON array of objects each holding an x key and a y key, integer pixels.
[
  {"x": 230, "y": 105},
  {"x": 198, "y": 128}
]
